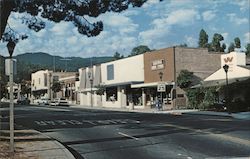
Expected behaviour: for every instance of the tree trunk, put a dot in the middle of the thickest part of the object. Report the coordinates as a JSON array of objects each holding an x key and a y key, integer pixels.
[{"x": 6, "y": 7}]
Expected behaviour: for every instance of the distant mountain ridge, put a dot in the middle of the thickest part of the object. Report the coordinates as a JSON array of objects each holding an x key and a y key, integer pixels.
[
  {"x": 29, "y": 63},
  {"x": 49, "y": 61}
]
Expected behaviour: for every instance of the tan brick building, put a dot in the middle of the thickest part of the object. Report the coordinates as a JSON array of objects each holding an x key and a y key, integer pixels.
[{"x": 168, "y": 63}]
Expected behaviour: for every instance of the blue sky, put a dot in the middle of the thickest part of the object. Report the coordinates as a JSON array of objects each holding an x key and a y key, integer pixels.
[{"x": 156, "y": 24}]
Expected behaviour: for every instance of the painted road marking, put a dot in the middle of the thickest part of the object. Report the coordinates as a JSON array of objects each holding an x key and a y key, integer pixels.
[
  {"x": 83, "y": 122},
  {"x": 129, "y": 136},
  {"x": 55, "y": 109},
  {"x": 219, "y": 136}
]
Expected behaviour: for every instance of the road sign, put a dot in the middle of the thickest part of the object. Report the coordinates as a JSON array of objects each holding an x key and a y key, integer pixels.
[
  {"x": 7, "y": 67},
  {"x": 161, "y": 87}
]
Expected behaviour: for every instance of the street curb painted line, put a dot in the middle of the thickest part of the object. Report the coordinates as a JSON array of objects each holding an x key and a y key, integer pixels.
[{"x": 126, "y": 135}]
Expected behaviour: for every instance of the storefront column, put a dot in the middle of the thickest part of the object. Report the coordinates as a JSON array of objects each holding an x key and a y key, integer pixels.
[
  {"x": 104, "y": 97},
  {"x": 121, "y": 96},
  {"x": 143, "y": 98},
  {"x": 124, "y": 97},
  {"x": 88, "y": 99}
]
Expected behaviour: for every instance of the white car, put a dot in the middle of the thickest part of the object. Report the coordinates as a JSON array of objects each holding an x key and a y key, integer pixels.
[
  {"x": 43, "y": 101},
  {"x": 59, "y": 102}
]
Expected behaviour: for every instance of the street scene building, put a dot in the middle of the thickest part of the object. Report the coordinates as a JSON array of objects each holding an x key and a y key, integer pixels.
[
  {"x": 42, "y": 81},
  {"x": 133, "y": 81}
]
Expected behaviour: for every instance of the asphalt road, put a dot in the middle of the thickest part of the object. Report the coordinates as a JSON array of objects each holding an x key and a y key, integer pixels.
[{"x": 98, "y": 134}]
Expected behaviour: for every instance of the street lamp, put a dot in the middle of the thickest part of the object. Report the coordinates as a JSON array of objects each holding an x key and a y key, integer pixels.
[
  {"x": 11, "y": 46},
  {"x": 226, "y": 67},
  {"x": 91, "y": 85},
  {"x": 160, "y": 74}
]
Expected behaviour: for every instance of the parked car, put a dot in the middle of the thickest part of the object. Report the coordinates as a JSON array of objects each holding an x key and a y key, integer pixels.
[
  {"x": 23, "y": 101},
  {"x": 59, "y": 102},
  {"x": 43, "y": 101}
]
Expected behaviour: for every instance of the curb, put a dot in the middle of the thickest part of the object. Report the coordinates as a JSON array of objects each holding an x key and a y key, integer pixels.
[
  {"x": 209, "y": 114},
  {"x": 37, "y": 144}
]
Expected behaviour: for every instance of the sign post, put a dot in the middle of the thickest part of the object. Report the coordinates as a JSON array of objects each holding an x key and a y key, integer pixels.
[{"x": 161, "y": 87}]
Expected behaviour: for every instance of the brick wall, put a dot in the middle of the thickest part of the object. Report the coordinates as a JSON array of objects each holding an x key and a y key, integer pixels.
[{"x": 199, "y": 61}]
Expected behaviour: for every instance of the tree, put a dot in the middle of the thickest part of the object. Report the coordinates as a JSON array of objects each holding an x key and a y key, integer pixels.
[
  {"x": 56, "y": 87},
  {"x": 223, "y": 47},
  {"x": 118, "y": 56},
  {"x": 237, "y": 42},
  {"x": 100, "y": 89},
  {"x": 25, "y": 87},
  {"x": 209, "y": 98},
  {"x": 231, "y": 47},
  {"x": 215, "y": 45},
  {"x": 248, "y": 49},
  {"x": 203, "y": 39},
  {"x": 183, "y": 45},
  {"x": 73, "y": 11},
  {"x": 184, "y": 79},
  {"x": 140, "y": 50}
]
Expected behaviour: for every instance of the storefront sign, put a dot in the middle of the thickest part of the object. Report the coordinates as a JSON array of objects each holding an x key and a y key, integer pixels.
[{"x": 158, "y": 64}]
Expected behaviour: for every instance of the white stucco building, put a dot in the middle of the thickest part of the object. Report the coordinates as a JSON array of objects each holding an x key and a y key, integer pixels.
[
  {"x": 116, "y": 76},
  {"x": 41, "y": 82},
  {"x": 238, "y": 69}
]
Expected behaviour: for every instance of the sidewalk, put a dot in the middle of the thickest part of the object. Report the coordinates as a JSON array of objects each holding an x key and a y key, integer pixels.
[
  {"x": 138, "y": 110},
  {"x": 241, "y": 115},
  {"x": 32, "y": 144}
]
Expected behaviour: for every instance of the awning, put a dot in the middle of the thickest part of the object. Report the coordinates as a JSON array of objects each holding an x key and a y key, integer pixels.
[
  {"x": 221, "y": 82},
  {"x": 123, "y": 83},
  {"x": 153, "y": 84}
]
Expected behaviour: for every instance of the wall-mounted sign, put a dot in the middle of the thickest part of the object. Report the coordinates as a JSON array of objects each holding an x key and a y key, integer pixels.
[
  {"x": 228, "y": 59},
  {"x": 158, "y": 64},
  {"x": 161, "y": 87}
]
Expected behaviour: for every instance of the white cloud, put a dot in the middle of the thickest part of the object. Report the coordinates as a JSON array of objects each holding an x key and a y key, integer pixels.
[
  {"x": 61, "y": 28},
  {"x": 149, "y": 3},
  {"x": 180, "y": 2},
  {"x": 182, "y": 16},
  {"x": 247, "y": 37},
  {"x": 72, "y": 40},
  {"x": 41, "y": 33},
  {"x": 243, "y": 4},
  {"x": 119, "y": 22},
  {"x": 191, "y": 41},
  {"x": 154, "y": 37},
  {"x": 225, "y": 35},
  {"x": 239, "y": 21},
  {"x": 130, "y": 13},
  {"x": 208, "y": 15}
]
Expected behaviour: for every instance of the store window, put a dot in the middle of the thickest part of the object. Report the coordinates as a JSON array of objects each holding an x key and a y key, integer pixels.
[
  {"x": 45, "y": 80},
  {"x": 111, "y": 94},
  {"x": 110, "y": 72}
]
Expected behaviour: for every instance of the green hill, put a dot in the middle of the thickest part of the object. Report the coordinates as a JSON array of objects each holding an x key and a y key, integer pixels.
[
  {"x": 31, "y": 62},
  {"x": 58, "y": 62}
]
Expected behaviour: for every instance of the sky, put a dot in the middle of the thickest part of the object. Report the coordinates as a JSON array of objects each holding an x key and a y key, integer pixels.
[{"x": 155, "y": 24}]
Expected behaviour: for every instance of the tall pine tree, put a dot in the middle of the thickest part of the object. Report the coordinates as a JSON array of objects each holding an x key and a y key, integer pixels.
[{"x": 203, "y": 39}]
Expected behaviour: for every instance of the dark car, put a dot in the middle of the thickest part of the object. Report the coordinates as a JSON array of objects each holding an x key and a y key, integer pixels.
[{"x": 23, "y": 101}]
